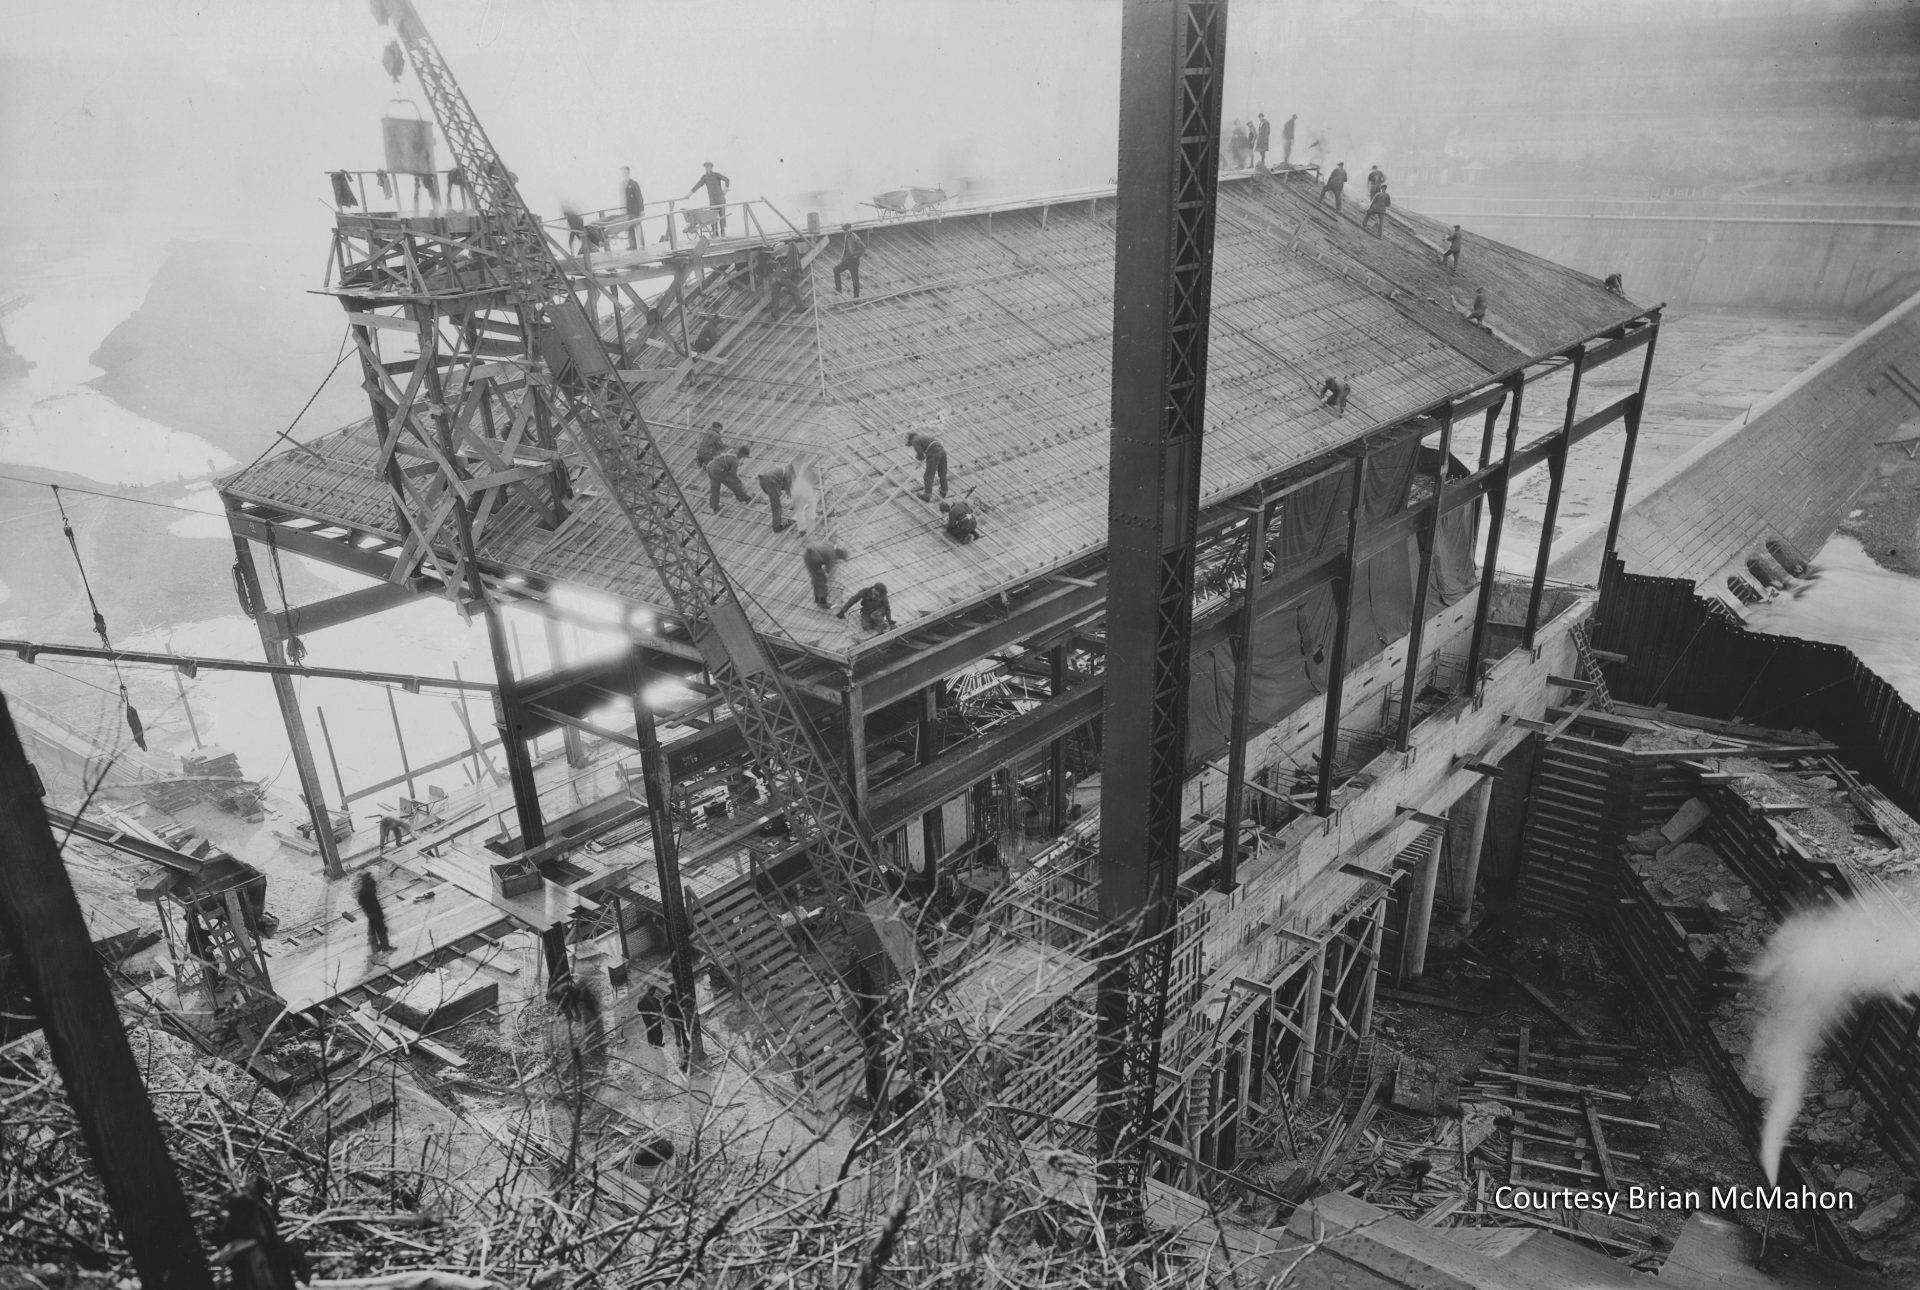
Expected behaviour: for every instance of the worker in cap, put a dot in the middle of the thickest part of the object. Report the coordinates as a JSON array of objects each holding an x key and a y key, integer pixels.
[
  {"x": 876, "y": 613},
  {"x": 777, "y": 483},
  {"x": 711, "y": 445},
  {"x": 724, "y": 472},
  {"x": 852, "y": 247},
  {"x": 820, "y": 556},
  {"x": 1452, "y": 253},
  {"x": 1377, "y": 211},
  {"x": 928, "y": 449},
  {"x": 1336, "y": 184},
  {"x": 1333, "y": 394},
  {"x": 962, "y": 527}
]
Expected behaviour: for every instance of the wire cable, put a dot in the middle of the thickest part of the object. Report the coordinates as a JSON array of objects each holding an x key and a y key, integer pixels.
[{"x": 99, "y": 621}]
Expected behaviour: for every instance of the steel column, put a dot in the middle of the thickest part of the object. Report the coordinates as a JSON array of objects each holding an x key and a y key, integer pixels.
[
  {"x": 290, "y": 715},
  {"x": 854, "y": 708},
  {"x": 666, "y": 855},
  {"x": 1429, "y": 539},
  {"x": 506, "y": 697},
  {"x": 1337, "y": 656},
  {"x": 932, "y": 826},
  {"x": 1171, "y": 66},
  {"x": 1633, "y": 438},
  {"x": 1057, "y": 750},
  {"x": 1497, "y": 488},
  {"x": 570, "y": 740},
  {"x": 1242, "y": 696},
  {"x": 1556, "y": 481}
]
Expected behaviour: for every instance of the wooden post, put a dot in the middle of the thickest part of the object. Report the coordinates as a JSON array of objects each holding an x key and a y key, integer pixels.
[
  {"x": 290, "y": 717},
  {"x": 41, "y": 920},
  {"x": 1556, "y": 480},
  {"x": 186, "y": 709},
  {"x": 1363, "y": 1024},
  {"x": 326, "y": 737},
  {"x": 1310, "y": 1024},
  {"x": 1337, "y": 656},
  {"x": 1413, "y": 951},
  {"x": 1626, "y": 450},
  {"x": 666, "y": 855},
  {"x": 1497, "y": 506},
  {"x": 1429, "y": 539},
  {"x": 1482, "y": 809},
  {"x": 855, "y": 707},
  {"x": 1235, "y": 807}
]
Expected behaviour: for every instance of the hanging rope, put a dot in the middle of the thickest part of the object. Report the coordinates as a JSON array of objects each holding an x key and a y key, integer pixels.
[
  {"x": 134, "y": 723},
  {"x": 295, "y": 647}
]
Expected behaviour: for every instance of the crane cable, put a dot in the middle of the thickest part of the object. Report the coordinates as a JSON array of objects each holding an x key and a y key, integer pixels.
[
  {"x": 295, "y": 647},
  {"x": 134, "y": 723}
]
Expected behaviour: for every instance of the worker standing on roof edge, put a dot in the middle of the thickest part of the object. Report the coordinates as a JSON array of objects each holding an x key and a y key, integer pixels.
[
  {"x": 1453, "y": 249},
  {"x": 1262, "y": 136},
  {"x": 636, "y": 205},
  {"x": 1377, "y": 211},
  {"x": 716, "y": 185},
  {"x": 852, "y": 247},
  {"x": 711, "y": 445},
  {"x": 777, "y": 482},
  {"x": 876, "y": 612},
  {"x": 1336, "y": 184},
  {"x": 820, "y": 556},
  {"x": 962, "y": 527},
  {"x": 928, "y": 449},
  {"x": 724, "y": 472},
  {"x": 1478, "y": 314},
  {"x": 1333, "y": 394}
]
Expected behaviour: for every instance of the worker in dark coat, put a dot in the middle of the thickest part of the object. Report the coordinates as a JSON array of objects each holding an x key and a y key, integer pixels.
[
  {"x": 777, "y": 483},
  {"x": 1262, "y": 136},
  {"x": 1452, "y": 253},
  {"x": 1377, "y": 211},
  {"x": 711, "y": 445},
  {"x": 724, "y": 472},
  {"x": 716, "y": 185},
  {"x": 928, "y": 449},
  {"x": 366, "y": 893},
  {"x": 820, "y": 556},
  {"x": 787, "y": 274},
  {"x": 678, "y": 1019},
  {"x": 876, "y": 613},
  {"x": 962, "y": 527},
  {"x": 1478, "y": 314},
  {"x": 653, "y": 1017},
  {"x": 1336, "y": 184},
  {"x": 852, "y": 247},
  {"x": 1333, "y": 394},
  {"x": 1286, "y": 139},
  {"x": 635, "y": 203},
  {"x": 1615, "y": 284}
]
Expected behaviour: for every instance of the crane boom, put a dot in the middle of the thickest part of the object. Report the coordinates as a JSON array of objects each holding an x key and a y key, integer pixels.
[{"x": 606, "y": 425}]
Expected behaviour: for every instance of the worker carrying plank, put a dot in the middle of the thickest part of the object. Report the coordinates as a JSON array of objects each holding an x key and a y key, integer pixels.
[
  {"x": 1333, "y": 394},
  {"x": 962, "y": 527},
  {"x": 1452, "y": 253},
  {"x": 820, "y": 556},
  {"x": 876, "y": 613},
  {"x": 777, "y": 483},
  {"x": 1377, "y": 211},
  {"x": 711, "y": 445},
  {"x": 852, "y": 247},
  {"x": 724, "y": 472},
  {"x": 929, "y": 449},
  {"x": 1336, "y": 184}
]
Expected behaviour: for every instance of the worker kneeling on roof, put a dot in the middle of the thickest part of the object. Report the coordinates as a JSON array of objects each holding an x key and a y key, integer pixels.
[
  {"x": 961, "y": 524},
  {"x": 876, "y": 614}
]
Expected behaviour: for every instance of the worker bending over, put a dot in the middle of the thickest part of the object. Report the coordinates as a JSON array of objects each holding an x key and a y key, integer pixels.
[
  {"x": 820, "y": 556},
  {"x": 1336, "y": 184},
  {"x": 1333, "y": 394},
  {"x": 876, "y": 614},
  {"x": 962, "y": 527},
  {"x": 777, "y": 483},
  {"x": 711, "y": 445},
  {"x": 724, "y": 472},
  {"x": 1615, "y": 284},
  {"x": 928, "y": 449},
  {"x": 1452, "y": 253},
  {"x": 1377, "y": 211},
  {"x": 1478, "y": 314},
  {"x": 852, "y": 247}
]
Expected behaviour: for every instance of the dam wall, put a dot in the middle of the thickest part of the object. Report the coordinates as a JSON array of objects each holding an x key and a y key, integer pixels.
[
  {"x": 1853, "y": 258},
  {"x": 1787, "y": 470}
]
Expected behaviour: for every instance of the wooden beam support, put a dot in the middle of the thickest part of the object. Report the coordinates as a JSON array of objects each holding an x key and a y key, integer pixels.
[
  {"x": 1496, "y": 524},
  {"x": 1556, "y": 482},
  {"x": 1618, "y": 511},
  {"x": 1429, "y": 540},
  {"x": 41, "y": 923},
  {"x": 1337, "y": 656}
]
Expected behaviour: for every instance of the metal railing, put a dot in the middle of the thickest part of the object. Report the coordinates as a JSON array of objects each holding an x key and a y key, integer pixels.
[
  {"x": 675, "y": 225},
  {"x": 394, "y": 192}
]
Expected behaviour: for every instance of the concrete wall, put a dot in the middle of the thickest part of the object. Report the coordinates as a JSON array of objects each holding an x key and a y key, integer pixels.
[
  {"x": 1858, "y": 259},
  {"x": 1789, "y": 470}
]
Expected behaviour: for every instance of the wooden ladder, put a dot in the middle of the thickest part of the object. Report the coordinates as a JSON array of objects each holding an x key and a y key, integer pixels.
[{"x": 1590, "y": 668}]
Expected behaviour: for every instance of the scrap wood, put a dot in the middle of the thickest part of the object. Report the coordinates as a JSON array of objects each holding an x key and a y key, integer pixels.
[
  {"x": 1558, "y": 1086},
  {"x": 1424, "y": 1000},
  {"x": 1531, "y": 1105},
  {"x": 1539, "y": 996}
]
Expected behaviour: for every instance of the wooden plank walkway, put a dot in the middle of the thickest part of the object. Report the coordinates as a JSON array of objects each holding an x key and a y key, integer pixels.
[{"x": 339, "y": 963}]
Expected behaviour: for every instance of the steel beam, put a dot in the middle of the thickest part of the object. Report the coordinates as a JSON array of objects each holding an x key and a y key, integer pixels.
[
  {"x": 508, "y": 717},
  {"x": 1172, "y": 55},
  {"x": 1337, "y": 656},
  {"x": 933, "y": 841},
  {"x": 1255, "y": 573},
  {"x": 1057, "y": 750},
  {"x": 1632, "y": 438},
  {"x": 1556, "y": 481},
  {"x": 1500, "y": 483},
  {"x": 666, "y": 853},
  {"x": 1429, "y": 540}
]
